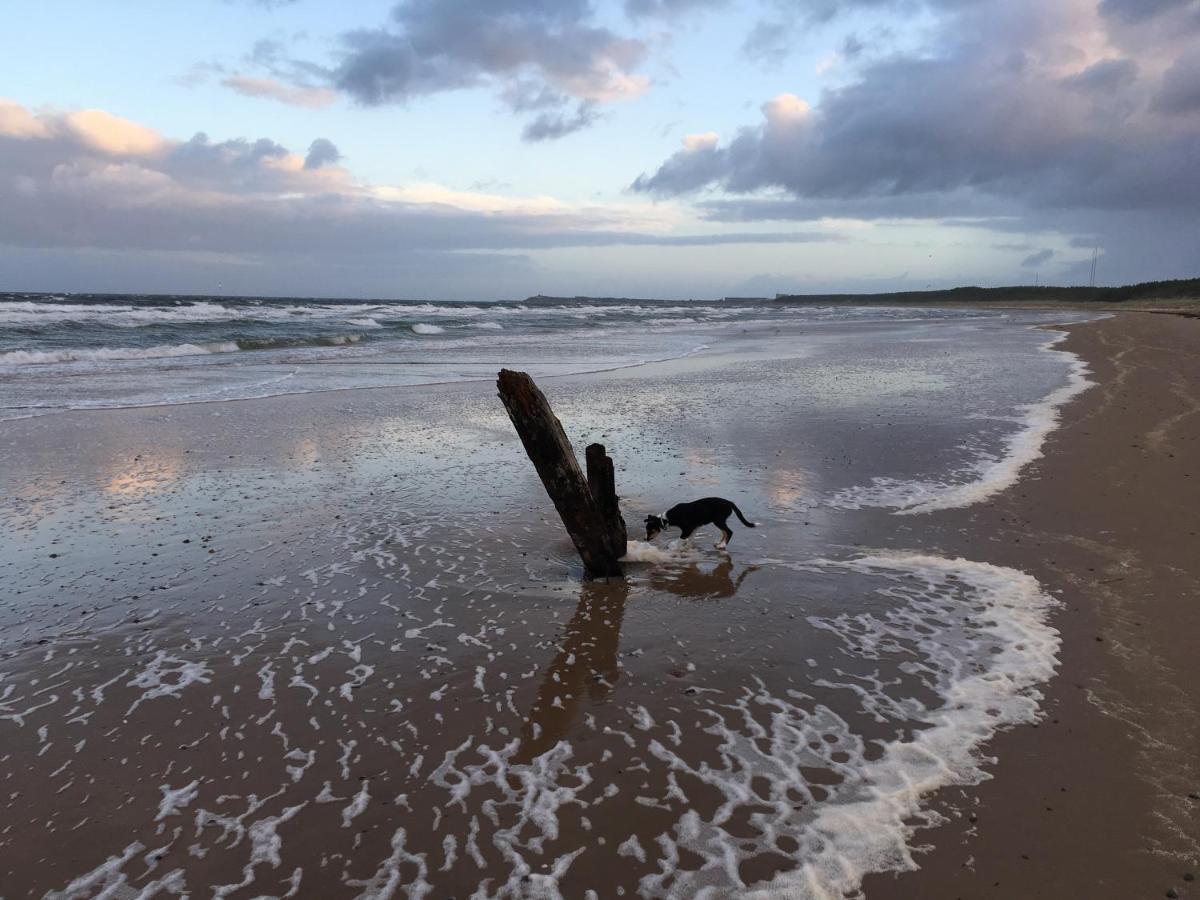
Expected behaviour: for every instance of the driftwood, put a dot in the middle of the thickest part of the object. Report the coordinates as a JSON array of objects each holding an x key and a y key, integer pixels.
[{"x": 587, "y": 507}]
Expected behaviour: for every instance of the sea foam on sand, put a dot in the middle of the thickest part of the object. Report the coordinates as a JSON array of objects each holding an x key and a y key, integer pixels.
[
  {"x": 987, "y": 665},
  {"x": 987, "y": 476}
]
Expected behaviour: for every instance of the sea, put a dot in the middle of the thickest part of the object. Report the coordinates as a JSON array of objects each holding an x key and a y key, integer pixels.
[{"x": 345, "y": 645}]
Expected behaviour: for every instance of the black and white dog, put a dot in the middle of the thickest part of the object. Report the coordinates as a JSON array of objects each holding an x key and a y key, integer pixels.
[{"x": 690, "y": 516}]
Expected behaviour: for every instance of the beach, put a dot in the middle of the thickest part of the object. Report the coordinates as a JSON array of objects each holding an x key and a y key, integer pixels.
[
  {"x": 1100, "y": 799},
  {"x": 338, "y": 644}
]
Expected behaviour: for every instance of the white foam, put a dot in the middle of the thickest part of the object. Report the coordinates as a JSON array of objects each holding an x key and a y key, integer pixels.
[
  {"x": 423, "y": 328},
  {"x": 985, "y": 667},
  {"x": 168, "y": 676},
  {"x": 988, "y": 476},
  {"x": 99, "y": 354},
  {"x": 176, "y": 799},
  {"x": 356, "y": 806},
  {"x": 106, "y": 880},
  {"x": 675, "y": 551}
]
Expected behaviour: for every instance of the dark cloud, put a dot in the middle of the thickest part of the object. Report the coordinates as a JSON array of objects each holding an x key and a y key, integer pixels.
[
  {"x": 539, "y": 55},
  {"x": 971, "y": 120},
  {"x": 998, "y": 122},
  {"x": 1180, "y": 92},
  {"x": 321, "y": 152},
  {"x": 1107, "y": 76},
  {"x": 668, "y": 9},
  {"x": 690, "y": 169},
  {"x": 1033, "y": 260},
  {"x": 1140, "y": 10},
  {"x": 237, "y": 164},
  {"x": 547, "y": 126}
]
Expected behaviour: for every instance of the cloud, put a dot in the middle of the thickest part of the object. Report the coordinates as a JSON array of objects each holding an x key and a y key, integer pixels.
[
  {"x": 1022, "y": 115},
  {"x": 549, "y": 57},
  {"x": 1033, "y": 260},
  {"x": 547, "y": 126},
  {"x": 668, "y": 9},
  {"x": 1041, "y": 125},
  {"x": 1106, "y": 76},
  {"x": 697, "y": 164},
  {"x": 18, "y": 122},
  {"x": 112, "y": 134},
  {"x": 787, "y": 22},
  {"x": 698, "y": 143},
  {"x": 321, "y": 152},
  {"x": 450, "y": 44},
  {"x": 292, "y": 95},
  {"x": 1140, "y": 10},
  {"x": 1180, "y": 92},
  {"x": 254, "y": 202}
]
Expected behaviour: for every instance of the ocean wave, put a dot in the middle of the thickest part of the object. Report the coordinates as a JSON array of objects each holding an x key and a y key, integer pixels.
[
  {"x": 988, "y": 475},
  {"x": 288, "y": 343},
  {"x": 26, "y": 313},
  {"x": 167, "y": 351},
  {"x": 99, "y": 354},
  {"x": 423, "y": 328}
]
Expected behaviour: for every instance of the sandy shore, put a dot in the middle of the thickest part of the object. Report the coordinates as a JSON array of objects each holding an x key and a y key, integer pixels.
[
  {"x": 341, "y": 641},
  {"x": 1100, "y": 799}
]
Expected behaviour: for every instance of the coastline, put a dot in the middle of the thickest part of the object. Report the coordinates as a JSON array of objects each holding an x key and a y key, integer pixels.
[
  {"x": 1099, "y": 799},
  {"x": 337, "y": 449}
]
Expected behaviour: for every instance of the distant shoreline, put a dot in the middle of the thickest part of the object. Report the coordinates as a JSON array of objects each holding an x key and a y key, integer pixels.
[
  {"x": 1152, "y": 295},
  {"x": 1147, "y": 294}
]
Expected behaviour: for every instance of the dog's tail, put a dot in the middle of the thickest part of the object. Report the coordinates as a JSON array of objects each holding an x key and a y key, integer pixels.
[{"x": 738, "y": 513}]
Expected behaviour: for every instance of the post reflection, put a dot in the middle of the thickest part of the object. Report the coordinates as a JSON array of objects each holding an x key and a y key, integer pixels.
[{"x": 585, "y": 667}]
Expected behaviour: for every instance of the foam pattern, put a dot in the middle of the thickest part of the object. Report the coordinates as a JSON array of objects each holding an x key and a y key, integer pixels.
[
  {"x": 408, "y": 748},
  {"x": 990, "y": 472}
]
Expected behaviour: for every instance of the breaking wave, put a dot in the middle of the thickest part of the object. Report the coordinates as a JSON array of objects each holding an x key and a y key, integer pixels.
[
  {"x": 97, "y": 354},
  {"x": 167, "y": 351}
]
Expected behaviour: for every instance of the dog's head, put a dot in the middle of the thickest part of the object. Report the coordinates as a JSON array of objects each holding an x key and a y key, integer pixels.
[{"x": 654, "y": 524}]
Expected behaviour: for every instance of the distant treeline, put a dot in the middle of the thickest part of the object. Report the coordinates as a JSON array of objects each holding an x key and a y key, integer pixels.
[{"x": 1184, "y": 288}]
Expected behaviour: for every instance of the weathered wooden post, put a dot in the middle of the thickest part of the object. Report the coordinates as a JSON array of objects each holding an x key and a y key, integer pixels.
[{"x": 587, "y": 507}]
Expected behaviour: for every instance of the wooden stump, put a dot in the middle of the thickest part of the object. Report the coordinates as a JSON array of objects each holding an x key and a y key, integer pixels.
[{"x": 588, "y": 507}]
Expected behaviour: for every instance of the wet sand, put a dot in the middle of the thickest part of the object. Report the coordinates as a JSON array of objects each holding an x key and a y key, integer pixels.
[
  {"x": 334, "y": 645},
  {"x": 1102, "y": 798}
]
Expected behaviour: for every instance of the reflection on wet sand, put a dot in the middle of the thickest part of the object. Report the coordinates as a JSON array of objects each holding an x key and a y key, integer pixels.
[
  {"x": 585, "y": 666},
  {"x": 145, "y": 474},
  {"x": 701, "y": 582}
]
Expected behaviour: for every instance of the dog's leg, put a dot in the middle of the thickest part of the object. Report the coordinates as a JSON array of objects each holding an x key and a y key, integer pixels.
[{"x": 726, "y": 534}]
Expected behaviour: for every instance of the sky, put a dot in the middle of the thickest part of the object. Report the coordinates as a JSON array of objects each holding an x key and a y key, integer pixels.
[{"x": 496, "y": 149}]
